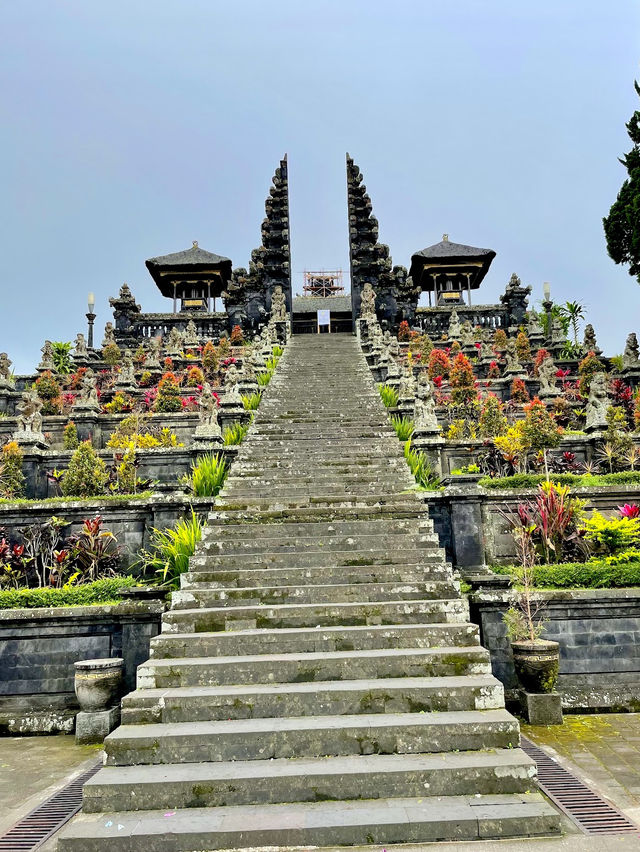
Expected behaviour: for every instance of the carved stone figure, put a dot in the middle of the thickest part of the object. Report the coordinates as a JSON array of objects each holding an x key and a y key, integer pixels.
[
  {"x": 486, "y": 350},
  {"x": 191, "y": 334},
  {"x": 87, "y": 399},
  {"x": 424, "y": 418},
  {"x": 47, "y": 363},
  {"x": 208, "y": 411},
  {"x": 394, "y": 348},
  {"x": 174, "y": 344},
  {"x": 109, "y": 335},
  {"x": 547, "y": 377},
  {"x": 6, "y": 380},
  {"x": 278, "y": 305},
  {"x": 534, "y": 329},
  {"x": 513, "y": 366},
  {"x": 630, "y": 358},
  {"x": 557, "y": 332},
  {"x": 29, "y": 419},
  {"x": 407, "y": 388},
  {"x": 367, "y": 302},
  {"x": 80, "y": 348},
  {"x": 455, "y": 328},
  {"x": 590, "y": 342},
  {"x": 232, "y": 393},
  {"x": 597, "y": 404},
  {"x": 467, "y": 336},
  {"x": 127, "y": 375},
  {"x": 152, "y": 361}
]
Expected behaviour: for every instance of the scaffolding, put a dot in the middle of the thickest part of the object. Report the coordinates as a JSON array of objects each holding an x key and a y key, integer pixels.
[{"x": 323, "y": 283}]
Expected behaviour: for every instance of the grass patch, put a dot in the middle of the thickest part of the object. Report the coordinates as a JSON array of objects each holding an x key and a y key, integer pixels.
[
  {"x": 98, "y": 498},
  {"x": 99, "y": 592}
]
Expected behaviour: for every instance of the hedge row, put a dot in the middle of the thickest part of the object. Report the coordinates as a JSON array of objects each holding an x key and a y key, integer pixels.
[
  {"x": 98, "y": 592},
  {"x": 530, "y": 480},
  {"x": 583, "y": 575}
]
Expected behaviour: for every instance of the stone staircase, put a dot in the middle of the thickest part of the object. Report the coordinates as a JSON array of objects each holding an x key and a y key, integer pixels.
[{"x": 316, "y": 681}]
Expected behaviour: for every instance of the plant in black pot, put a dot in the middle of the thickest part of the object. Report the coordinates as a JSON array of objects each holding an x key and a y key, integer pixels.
[{"x": 535, "y": 660}]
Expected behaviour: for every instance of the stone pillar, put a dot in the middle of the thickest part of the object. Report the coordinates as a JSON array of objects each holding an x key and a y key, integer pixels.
[{"x": 98, "y": 686}]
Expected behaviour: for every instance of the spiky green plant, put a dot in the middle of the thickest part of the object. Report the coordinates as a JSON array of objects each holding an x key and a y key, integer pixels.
[
  {"x": 388, "y": 395},
  {"x": 251, "y": 401},
  {"x": 271, "y": 363},
  {"x": 278, "y": 351},
  {"x": 172, "y": 548},
  {"x": 421, "y": 468},
  {"x": 265, "y": 378},
  {"x": 403, "y": 426},
  {"x": 208, "y": 474},
  {"x": 235, "y": 434}
]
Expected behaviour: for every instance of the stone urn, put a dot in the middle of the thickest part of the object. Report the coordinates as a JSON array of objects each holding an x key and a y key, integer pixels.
[
  {"x": 536, "y": 664},
  {"x": 98, "y": 683}
]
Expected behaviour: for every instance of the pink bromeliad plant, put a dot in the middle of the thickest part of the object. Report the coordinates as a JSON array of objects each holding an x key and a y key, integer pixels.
[{"x": 629, "y": 510}]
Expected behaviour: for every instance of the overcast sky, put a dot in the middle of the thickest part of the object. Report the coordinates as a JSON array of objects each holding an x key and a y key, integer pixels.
[{"x": 131, "y": 128}]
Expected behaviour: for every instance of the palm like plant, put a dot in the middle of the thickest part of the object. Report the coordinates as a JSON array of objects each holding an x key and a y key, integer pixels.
[{"x": 574, "y": 313}]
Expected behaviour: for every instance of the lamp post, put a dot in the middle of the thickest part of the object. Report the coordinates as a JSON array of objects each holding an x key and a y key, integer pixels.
[
  {"x": 91, "y": 302},
  {"x": 547, "y": 304}
]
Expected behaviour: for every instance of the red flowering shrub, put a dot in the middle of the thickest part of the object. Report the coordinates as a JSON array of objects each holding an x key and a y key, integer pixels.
[
  {"x": 494, "y": 370},
  {"x": 462, "y": 380},
  {"x": 540, "y": 356},
  {"x": 237, "y": 336},
  {"x": 519, "y": 391},
  {"x": 404, "y": 332},
  {"x": 439, "y": 364}
]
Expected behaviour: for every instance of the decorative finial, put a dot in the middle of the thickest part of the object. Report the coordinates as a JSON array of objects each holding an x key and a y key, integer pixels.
[
  {"x": 195, "y": 243},
  {"x": 445, "y": 238}
]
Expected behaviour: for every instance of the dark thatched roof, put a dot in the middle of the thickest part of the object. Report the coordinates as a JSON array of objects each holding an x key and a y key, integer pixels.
[
  {"x": 447, "y": 255},
  {"x": 187, "y": 264}
]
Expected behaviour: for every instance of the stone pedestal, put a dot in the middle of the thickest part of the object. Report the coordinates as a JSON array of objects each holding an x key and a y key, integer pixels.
[
  {"x": 541, "y": 708},
  {"x": 206, "y": 438},
  {"x": 431, "y": 445},
  {"x": 87, "y": 422},
  {"x": 93, "y": 727},
  {"x": 230, "y": 413}
]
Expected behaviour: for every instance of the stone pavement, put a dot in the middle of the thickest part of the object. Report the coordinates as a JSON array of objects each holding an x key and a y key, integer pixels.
[{"x": 33, "y": 768}]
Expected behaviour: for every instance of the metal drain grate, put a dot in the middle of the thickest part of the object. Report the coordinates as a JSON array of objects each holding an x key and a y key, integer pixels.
[
  {"x": 584, "y": 807},
  {"x": 36, "y": 827}
]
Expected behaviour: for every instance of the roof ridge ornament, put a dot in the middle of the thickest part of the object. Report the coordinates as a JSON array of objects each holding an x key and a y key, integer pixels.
[
  {"x": 195, "y": 243},
  {"x": 445, "y": 238}
]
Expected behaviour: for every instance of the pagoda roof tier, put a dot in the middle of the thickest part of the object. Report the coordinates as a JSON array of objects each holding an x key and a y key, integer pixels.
[
  {"x": 189, "y": 265},
  {"x": 450, "y": 258}
]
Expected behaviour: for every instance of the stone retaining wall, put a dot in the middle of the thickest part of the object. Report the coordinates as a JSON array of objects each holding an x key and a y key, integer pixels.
[
  {"x": 599, "y": 635},
  {"x": 38, "y": 648}
]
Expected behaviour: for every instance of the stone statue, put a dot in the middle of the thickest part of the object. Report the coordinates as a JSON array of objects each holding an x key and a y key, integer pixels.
[
  {"x": 47, "y": 362},
  {"x": 174, "y": 343},
  {"x": 109, "y": 335},
  {"x": 278, "y": 305},
  {"x": 152, "y": 361},
  {"x": 547, "y": 377},
  {"x": 208, "y": 414},
  {"x": 513, "y": 366},
  {"x": 467, "y": 336},
  {"x": 394, "y": 347},
  {"x": 232, "y": 393},
  {"x": 80, "y": 348},
  {"x": 590, "y": 343},
  {"x": 248, "y": 372},
  {"x": 557, "y": 332},
  {"x": 87, "y": 399},
  {"x": 424, "y": 416},
  {"x": 393, "y": 368},
  {"x": 597, "y": 404},
  {"x": 407, "y": 388},
  {"x": 29, "y": 418},
  {"x": 630, "y": 359},
  {"x": 191, "y": 334},
  {"x": 367, "y": 302},
  {"x": 127, "y": 375},
  {"x": 486, "y": 350},
  {"x": 455, "y": 328},
  {"x": 534, "y": 329},
  {"x": 6, "y": 380}
]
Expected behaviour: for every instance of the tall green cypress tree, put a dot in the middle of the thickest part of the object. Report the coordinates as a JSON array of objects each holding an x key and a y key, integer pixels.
[{"x": 622, "y": 225}]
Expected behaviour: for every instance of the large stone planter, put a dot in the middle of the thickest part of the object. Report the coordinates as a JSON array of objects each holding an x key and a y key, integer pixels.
[
  {"x": 536, "y": 664},
  {"x": 98, "y": 683}
]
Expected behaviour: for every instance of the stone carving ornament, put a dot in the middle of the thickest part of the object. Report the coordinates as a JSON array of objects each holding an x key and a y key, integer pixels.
[
  {"x": 547, "y": 377},
  {"x": 29, "y": 414},
  {"x": 597, "y": 404},
  {"x": 174, "y": 342},
  {"x": 513, "y": 365},
  {"x": 152, "y": 360},
  {"x": 208, "y": 413},
  {"x": 47, "y": 362},
  {"x": 424, "y": 418},
  {"x": 278, "y": 305},
  {"x": 87, "y": 399},
  {"x": 109, "y": 335},
  {"x": 630, "y": 358},
  {"x": 5, "y": 371},
  {"x": 367, "y": 302},
  {"x": 191, "y": 334},
  {"x": 455, "y": 328},
  {"x": 127, "y": 374},
  {"x": 80, "y": 348}
]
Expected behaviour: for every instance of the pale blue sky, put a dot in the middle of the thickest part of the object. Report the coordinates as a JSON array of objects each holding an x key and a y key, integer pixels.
[{"x": 131, "y": 128}]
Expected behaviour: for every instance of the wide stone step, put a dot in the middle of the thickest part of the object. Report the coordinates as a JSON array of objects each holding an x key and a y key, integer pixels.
[
  {"x": 395, "y": 502},
  {"x": 234, "y": 513},
  {"x": 253, "y": 577},
  {"x": 327, "y": 543},
  {"x": 390, "y": 527},
  {"x": 293, "y": 594},
  {"x": 308, "y": 639},
  {"x": 331, "y": 698},
  {"x": 206, "y": 619},
  {"x": 313, "y": 666},
  {"x": 375, "y": 776},
  {"x": 310, "y": 736},
  {"x": 431, "y": 555}
]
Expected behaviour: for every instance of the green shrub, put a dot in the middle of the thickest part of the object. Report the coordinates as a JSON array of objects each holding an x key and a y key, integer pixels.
[
  {"x": 171, "y": 549},
  {"x": 421, "y": 468},
  {"x": 235, "y": 434},
  {"x": 208, "y": 474},
  {"x": 86, "y": 475},
  {"x": 271, "y": 363},
  {"x": 403, "y": 426},
  {"x": 111, "y": 354},
  {"x": 601, "y": 574},
  {"x": 70, "y": 439},
  {"x": 611, "y": 535},
  {"x": 531, "y": 480},
  {"x": 265, "y": 378},
  {"x": 11, "y": 475},
  {"x": 277, "y": 350},
  {"x": 98, "y": 592},
  {"x": 62, "y": 357},
  {"x": 168, "y": 398},
  {"x": 251, "y": 401},
  {"x": 388, "y": 395}
]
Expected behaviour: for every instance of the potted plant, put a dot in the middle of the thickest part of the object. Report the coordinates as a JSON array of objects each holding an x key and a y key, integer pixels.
[{"x": 535, "y": 660}]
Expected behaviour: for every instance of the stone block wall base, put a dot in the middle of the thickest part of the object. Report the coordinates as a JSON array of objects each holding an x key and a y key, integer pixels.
[
  {"x": 541, "y": 708},
  {"x": 93, "y": 727}
]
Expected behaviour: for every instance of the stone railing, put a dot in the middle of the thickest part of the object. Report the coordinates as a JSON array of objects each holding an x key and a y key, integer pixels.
[
  {"x": 209, "y": 326},
  {"x": 435, "y": 321}
]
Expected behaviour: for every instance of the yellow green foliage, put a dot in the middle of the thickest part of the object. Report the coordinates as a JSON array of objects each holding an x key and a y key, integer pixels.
[{"x": 611, "y": 535}]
